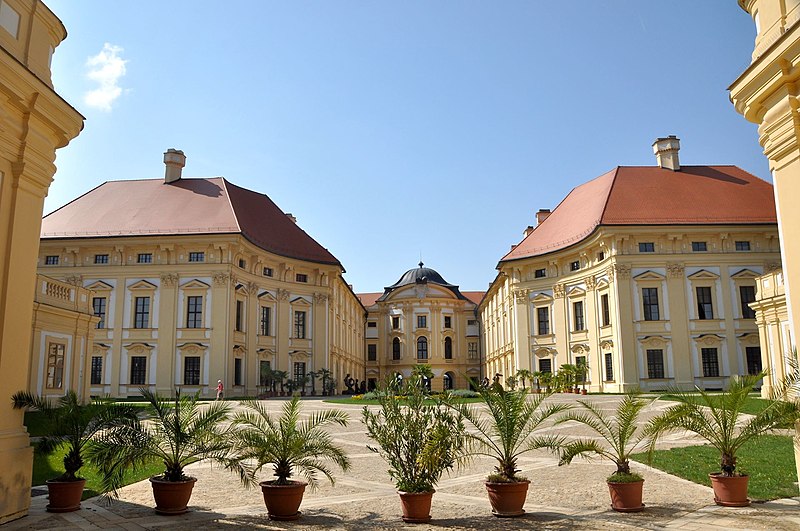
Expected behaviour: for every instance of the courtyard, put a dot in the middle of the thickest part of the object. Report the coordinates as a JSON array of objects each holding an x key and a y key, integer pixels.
[{"x": 569, "y": 497}]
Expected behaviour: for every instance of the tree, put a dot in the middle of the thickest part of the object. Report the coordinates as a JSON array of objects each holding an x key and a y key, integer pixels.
[{"x": 525, "y": 375}]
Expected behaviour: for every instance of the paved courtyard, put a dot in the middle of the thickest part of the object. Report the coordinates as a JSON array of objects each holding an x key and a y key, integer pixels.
[{"x": 571, "y": 497}]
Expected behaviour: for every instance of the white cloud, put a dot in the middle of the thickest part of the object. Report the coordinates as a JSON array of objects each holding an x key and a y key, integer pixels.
[{"x": 106, "y": 68}]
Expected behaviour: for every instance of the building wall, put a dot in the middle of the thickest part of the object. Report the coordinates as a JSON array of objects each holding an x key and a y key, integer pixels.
[
  {"x": 774, "y": 330},
  {"x": 35, "y": 122},
  {"x": 592, "y": 297},
  {"x": 218, "y": 308},
  {"x": 436, "y": 305}
]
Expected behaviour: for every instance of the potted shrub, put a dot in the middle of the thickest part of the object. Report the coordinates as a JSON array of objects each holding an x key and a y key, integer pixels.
[
  {"x": 506, "y": 433},
  {"x": 280, "y": 377},
  {"x": 74, "y": 424},
  {"x": 176, "y": 433},
  {"x": 618, "y": 440},
  {"x": 293, "y": 447},
  {"x": 418, "y": 441},
  {"x": 718, "y": 419},
  {"x": 583, "y": 370}
]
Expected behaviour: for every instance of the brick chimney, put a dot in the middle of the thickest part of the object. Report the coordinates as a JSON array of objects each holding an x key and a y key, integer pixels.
[
  {"x": 174, "y": 160},
  {"x": 666, "y": 152},
  {"x": 542, "y": 215},
  {"x": 527, "y": 231},
  {"x": 292, "y": 217}
]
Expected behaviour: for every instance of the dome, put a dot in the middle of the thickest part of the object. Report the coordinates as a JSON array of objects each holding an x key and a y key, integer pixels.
[{"x": 421, "y": 275}]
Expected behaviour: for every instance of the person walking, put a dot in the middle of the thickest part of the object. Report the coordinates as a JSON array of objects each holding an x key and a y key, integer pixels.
[{"x": 220, "y": 389}]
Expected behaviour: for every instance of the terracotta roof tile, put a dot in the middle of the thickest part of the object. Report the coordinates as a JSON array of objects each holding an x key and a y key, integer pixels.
[
  {"x": 650, "y": 195},
  {"x": 188, "y": 206},
  {"x": 474, "y": 296},
  {"x": 368, "y": 299}
]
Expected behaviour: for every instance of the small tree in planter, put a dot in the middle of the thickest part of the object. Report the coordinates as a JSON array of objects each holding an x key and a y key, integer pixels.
[
  {"x": 524, "y": 375},
  {"x": 325, "y": 375},
  {"x": 293, "y": 447},
  {"x": 506, "y": 434},
  {"x": 619, "y": 440},
  {"x": 280, "y": 377},
  {"x": 177, "y": 433},
  {"x": 418, "y": 441},
  {"x": 582, "y": 370},
  {"x": 313, "y": 375},
  {"x": 536, "y": 377},
  {"x": 718, "y": 418},
  {"x": 71, "y": 422},
  {"x": 568, "y": 372}
]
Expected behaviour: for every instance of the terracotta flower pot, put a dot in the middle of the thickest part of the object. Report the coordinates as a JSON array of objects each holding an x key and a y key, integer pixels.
[
  {"x": 64, "y": 496},
  {"x": 507, "y": 499},
  {"x": 172, "y": 497},
  {"x": 416, "y": 506},
  {"x": 283, "y": 501},
  {"x": 730, "y": 491},
  {"x": 583, "y": 391},
  {"x": 626, "y": 497}
]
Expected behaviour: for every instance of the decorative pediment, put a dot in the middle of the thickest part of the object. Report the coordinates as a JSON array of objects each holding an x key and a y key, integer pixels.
[
  {"x": 649, "y": 275},
  {"x": 542, "y": 298},
  {"x": 654, "y": 341},
  {"x": 139, "y": 349},
  {"x": 300, "y": 301},
  {"x": 606, "y": 344},
  {"x": 99, "y": 285},
  {"x": 602, "y": 283},
  {"x": 239, "y": 350},
  {"x": 749, "y": 339},
  {"x": 100, "y": 349},
  {"x": 299, "y": 354},
  {"x": 241, "y": 288},
  {"x": 703, "y": 275},
  {"x": 745, "y": 273},
  {"x": 192, "y": 349},
  {"x": 473, "y": 370},
  {"x": 195, "y": 284},
  {"x": 373, "y": 371},
  {"x": 709, "y": 340},
  {"x": 579, "y": 348},
  {"x": 544, "y": 352},
  {"x": 576, "y": 292},
  {"x": 142, "y": 285},
  {"x": 267, "y": 296},
  {"x": 265, "y": 352}
]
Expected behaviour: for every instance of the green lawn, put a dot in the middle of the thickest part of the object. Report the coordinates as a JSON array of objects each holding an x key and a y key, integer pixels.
[
  {"x": 36, "y": 422},
  {"x": 768, "y": 460}
]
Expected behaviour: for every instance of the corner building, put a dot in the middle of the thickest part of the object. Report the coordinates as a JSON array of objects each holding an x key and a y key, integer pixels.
[
  {"x": 644, "y": 273},
  {"x": 194, "y": 281},
  {"x": 421, "y": 319}
]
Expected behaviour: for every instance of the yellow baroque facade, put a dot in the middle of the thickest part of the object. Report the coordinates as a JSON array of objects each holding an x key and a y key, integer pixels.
[
  {"x": 220, "y": 289},
  {"x": 422, "y": 319},
  {"x": 34, "y": 122},
  {"x": 636, "y": 277},
  {"x": 774, "y": 329}
]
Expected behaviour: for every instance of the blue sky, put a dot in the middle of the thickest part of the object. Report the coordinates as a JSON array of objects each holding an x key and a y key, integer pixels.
[{"x": 399, "y": 129}]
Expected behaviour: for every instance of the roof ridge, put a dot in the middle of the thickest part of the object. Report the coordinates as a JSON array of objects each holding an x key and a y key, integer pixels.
[
  {"x": 65, "y": 205},
  {"x": 608, "y": 196},
  {"x": 230, "y": 204}
]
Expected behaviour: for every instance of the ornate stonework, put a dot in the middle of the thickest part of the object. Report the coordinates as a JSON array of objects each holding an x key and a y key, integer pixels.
[
  {"x": 169, "y": 280},
  {"x": 622, "y": 271},
  {"x": 283, "y": 295},
  {"x": 75, "y": 280},
  {"x": 521, "y": 295},
  {"x": 675, "y": 270},
  {"x": 220, "y": 279},
  {"x": 769, "y": 267},
  {"x": 591, "y": 283},
  {"x": 252, "y": 288},
  {"x": 320, "y": 298},
  {"x": 559, "y": 290}
]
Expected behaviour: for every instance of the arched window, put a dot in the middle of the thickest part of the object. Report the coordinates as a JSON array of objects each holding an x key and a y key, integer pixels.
[
  {"x": 448, "y": 381},
  {"x": 448, "y": 348},
  {"x": 396, "y": 349},
  {"x": 422, "y": 348}
]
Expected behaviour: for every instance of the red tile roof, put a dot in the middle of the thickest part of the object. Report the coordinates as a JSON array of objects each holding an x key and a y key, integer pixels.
[
  {"x": 368, "y": 299},
  {"x": 650, "y": 195},
  {"x": 188, "y": 206},
  {"x": 474, "y": 296}
]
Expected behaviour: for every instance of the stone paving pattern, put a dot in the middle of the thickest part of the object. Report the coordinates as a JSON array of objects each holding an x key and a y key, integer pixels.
[{"x": 570, "y": 497}]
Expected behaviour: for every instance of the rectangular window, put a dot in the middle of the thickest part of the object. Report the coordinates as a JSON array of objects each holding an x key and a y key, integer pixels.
[
  {"x": 194, "y": 311},
  {"x": 609, "y": 367},
  {"x": 605, "y": 309},
  {"x": 601, "y": 256},
  {"x": 144, "y": 258},
  {"x": 51, "y": 260},
  {"x": 101, "y": 259},
  {"x": 299, "y": 370},
  {"x": 647, "y": 247},
  {"x": 239, "y": 324},
  {"x": 138, "y": 370},
  {"x": 422, "y": 321},
  {"x": 141, "y": 316},
  {"x": 753, "y": 359},
  {"x": 543, "y": 320},
  {"x": 448, "y": 322},
  {"x": 242, "y": 263},
  {"x": 545, "y": 365},
  {"x": 97, "y": 370},
  {"x": 372, "y": 352},
  {"x": 472, "y": 350},
  {"x": 395, "y": 323},
  {"x": 265, "y": 321},
  {"x": 577, "y": 316},
  {"x": 267, "y": 272},
  {"x": 699, "y": 247},
  {"x": 263, "y": 372},
  {"x": 55, "y": 365},
  {"x": 300, "y": 325},
  {"x": 655, "y": 363},
  {"x": 710, "y": 362},
  {"x": 299, "y": 277},
  {"x": 422, "y": 348},
  {"x": 574, "y": 266},
  {"x": 650, "y": 304},
  {"x": 9, "y": 19},
  {"x": 580, "y": 361},
  {"x": 540, "y": 273},
  {"x": 99, "y": 310},
  {"x": 743, "y": 246},
  {"x": 237, "y": 371},
  {"x": 191, "y": 370},
  {"x": 395, "y": 349},
  {"x": 705, "y": 309},
  {"x": 197, "y": 257},
  {"x": 372, "y": 324},
  {"x": 747, "y": 294}
]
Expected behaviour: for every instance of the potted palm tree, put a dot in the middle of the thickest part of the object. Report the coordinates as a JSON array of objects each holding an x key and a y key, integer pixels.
[
  {"x": 718, "y": 419},
  {"x": 505, "y": 434},
  {"x": 280, "y": 377},
  {"x": 536, "y": 377},
  {"x": 176, "y": 433},
  {"x": 524, "y": 375},
  {"x": 293, "y": 447},
  {"x": 619, "y": 438},
  {"x": 583, "y": 370},
  {"x": 418, "y": 441},
  {"x": 74, "y": 424},
  {"x": 325, "y": 375}
]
